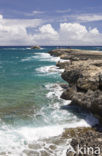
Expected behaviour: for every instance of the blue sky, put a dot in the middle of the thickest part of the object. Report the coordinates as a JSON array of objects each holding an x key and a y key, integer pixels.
[{"x": 82, "y": 18}]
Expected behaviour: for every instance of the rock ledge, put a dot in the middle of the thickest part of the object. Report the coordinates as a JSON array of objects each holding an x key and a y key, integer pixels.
[{"x": 84, "y": 76}]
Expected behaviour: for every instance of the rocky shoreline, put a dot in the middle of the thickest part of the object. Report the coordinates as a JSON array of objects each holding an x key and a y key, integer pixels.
[
  {"x": 85, "y": 139},
  {"x": 83, "y": 73}
]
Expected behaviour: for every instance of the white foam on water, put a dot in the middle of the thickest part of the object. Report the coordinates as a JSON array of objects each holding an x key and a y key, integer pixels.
[
  {"x": 31, "y": 134},
  {"x": 10, "y": 142},
  {"x": 55, "y": 91},
  {"x": 13, "y": 142},
  {"x": 28, "y": 59},
  {"x": 14, "y": 48},
  {"x": 42, "y": 48},
  {"x": 16, "y": 140},
  {"x": 34, "y": 134},
  {"x": 49, "y": 70},
  {"x": 61, "y": 60},
  {"x": 46, "y": 57},
  {"x": 28, "y": 48}
]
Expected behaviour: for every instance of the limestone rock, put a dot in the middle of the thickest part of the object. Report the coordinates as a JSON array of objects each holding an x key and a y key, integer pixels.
[{"x": 84, "y": 76}]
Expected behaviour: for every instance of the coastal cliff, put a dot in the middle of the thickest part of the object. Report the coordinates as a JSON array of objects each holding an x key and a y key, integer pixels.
[{"x": 84, "y": 75}]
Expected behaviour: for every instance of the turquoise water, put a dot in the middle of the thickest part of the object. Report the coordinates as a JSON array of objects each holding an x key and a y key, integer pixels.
[
  {"x": 22, "y": 88},
  {"x": 30, "y": 104}
]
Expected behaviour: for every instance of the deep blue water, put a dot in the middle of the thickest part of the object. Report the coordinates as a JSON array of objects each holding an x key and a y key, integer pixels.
[{"x": 30, "y": 104}]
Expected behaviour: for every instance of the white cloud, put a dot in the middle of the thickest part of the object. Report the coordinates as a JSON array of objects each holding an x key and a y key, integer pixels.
[
  {"x": 77, "y": 34},
  {"x": 22, "y": 22},
  {"x": 68, "y": 34},
  {"x": 89, "y": 17},
  {"x": 47, "y": 35},
  {"x": 15, "y": 32},
  {"x": 1, "y": 17},
  {"x": 63, "y": 11},
  {"x": 74, "y": 29},
  {"x": 35, "y": 12},
  {"x": 94, "y": 31},
  {"x": 47, "y": 29}
]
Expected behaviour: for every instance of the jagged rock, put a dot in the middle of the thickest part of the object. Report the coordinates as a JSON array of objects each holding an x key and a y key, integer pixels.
[
  {"x": 59, "y": 52},
  {"x": 76, "y": 54},
  {"x": 62, "y": 64},
  {"x": 91, "y": 100},
  {"x": 84, "y": 84},
  {"x": 100, "y": 81},
  {"x": 84, "y": 138},
  {"x": 84, "y": 76},
  {"x": 68, "y": 94},
  {"x": 71, "y": 76},
  {"x": 64, "y": 86}
]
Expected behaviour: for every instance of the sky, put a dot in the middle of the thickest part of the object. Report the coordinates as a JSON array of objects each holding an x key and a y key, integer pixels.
[{"x": 50, "y": 22}]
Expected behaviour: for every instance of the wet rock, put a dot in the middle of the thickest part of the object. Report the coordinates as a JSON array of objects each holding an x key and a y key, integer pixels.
[
  {"x": 52, "y": 147},
  {"x": 91, "y": 100},
  {"x": 44, "y": 153},
  {"x": 68, "y": 94},
  {"x": 3, "y": 154},
  {"x": 31, "y": 152},
  {"x": 64, "y": 86},
  {"x": 34, "y": 146},
  {"x": 70, "y": 154}
]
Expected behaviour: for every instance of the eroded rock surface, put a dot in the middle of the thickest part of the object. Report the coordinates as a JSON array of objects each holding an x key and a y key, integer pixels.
[
  {"x": 84, "y": 76},
  {"x": 83, "y": 139}
]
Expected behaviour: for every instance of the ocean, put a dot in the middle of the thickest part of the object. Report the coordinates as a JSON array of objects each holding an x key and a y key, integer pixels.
[{"x": 32, "y": 115}]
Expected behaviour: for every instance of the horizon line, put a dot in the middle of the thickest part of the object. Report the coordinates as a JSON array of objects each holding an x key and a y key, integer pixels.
[{"x": 49, "y": 45}]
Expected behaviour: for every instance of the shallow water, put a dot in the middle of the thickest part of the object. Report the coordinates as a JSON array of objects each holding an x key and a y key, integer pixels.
[{"x": 32, "y": 115}]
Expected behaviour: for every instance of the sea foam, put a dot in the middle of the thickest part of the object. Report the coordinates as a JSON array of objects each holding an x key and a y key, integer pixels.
[
  {"x": 46, "y": 57},
  {"x": 49, "y": 70},
  {"x": 15, "y": 140}
]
